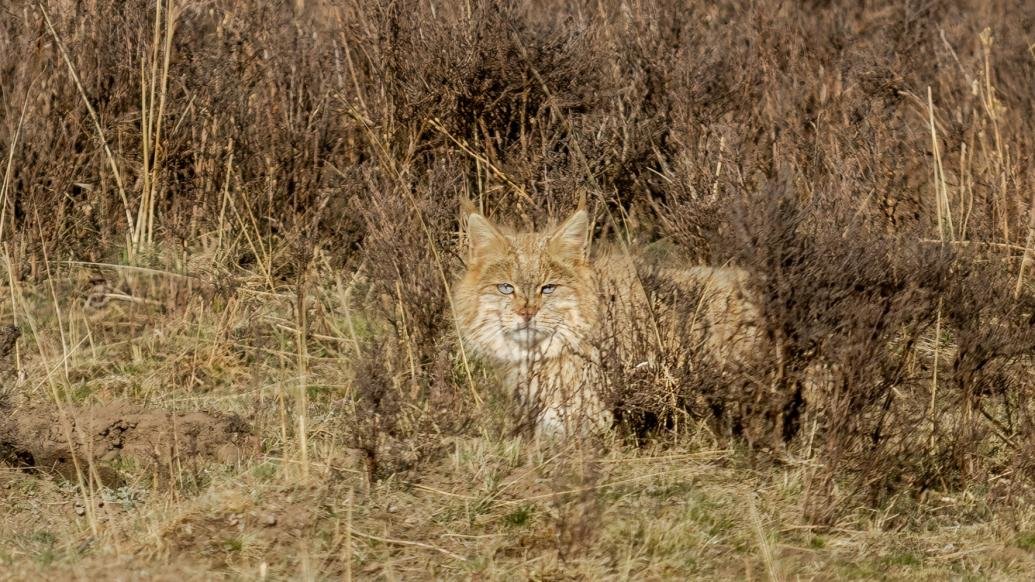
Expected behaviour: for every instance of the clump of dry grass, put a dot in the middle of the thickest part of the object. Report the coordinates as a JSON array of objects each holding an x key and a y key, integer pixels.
[{"x": 254, "y": 210}]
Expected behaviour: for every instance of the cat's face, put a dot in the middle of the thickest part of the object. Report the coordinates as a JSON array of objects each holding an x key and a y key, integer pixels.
[{"x": 526, "y": 294}]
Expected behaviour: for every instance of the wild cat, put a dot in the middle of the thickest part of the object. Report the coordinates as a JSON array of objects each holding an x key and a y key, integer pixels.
[{"x": 534, "y": 304}]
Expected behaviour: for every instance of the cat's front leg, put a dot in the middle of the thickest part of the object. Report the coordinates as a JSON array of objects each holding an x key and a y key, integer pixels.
[{"x": 551, "y": 423}]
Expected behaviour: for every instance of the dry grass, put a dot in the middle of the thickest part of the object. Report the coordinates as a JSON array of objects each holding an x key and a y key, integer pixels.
[{"x": 254, "y": 210}]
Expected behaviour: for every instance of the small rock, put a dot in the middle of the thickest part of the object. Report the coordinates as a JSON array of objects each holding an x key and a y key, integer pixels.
[
  {"x": 269, "y": 520},
  {"x": 79, "y": 509}
]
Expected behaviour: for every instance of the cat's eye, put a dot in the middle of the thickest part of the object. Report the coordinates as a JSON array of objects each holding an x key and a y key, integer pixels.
[
  {"x": 505, "y": 288},
  {"x": 547, "y": 289}
]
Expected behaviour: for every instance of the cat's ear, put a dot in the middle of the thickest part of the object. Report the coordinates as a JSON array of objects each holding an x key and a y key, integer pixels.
[
  {"x": 483, "y": 237},
  {"x": 570, "y": 239},
  {"x": 467, "y": 207}
]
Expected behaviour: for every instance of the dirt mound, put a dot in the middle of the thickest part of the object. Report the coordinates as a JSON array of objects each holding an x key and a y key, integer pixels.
[
  {"x": 210, "y": 531},
  {"x": 120, "y": 435}
]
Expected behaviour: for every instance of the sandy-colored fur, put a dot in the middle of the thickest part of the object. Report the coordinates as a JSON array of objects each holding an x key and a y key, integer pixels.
[{"x": 544, "y": 344}]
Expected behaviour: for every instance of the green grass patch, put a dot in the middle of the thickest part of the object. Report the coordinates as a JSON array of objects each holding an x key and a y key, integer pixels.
[{"x": 519, "y": 517}]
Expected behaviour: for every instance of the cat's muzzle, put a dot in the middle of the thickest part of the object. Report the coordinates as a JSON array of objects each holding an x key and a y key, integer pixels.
[{"x": 527, "y": 336}]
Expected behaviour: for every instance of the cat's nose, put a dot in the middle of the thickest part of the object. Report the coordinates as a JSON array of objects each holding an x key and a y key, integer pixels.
[{"x": 527, "y": 312}]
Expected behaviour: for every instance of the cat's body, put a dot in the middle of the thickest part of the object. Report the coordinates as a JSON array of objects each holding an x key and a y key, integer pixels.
[{"x": 537, "y": 306}]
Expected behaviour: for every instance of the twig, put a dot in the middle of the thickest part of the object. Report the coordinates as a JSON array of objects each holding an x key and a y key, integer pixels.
[
  {"x": 443, "y": 551},
  {"x": 131, "y": 268},
  {"x": 1026, "y": 257},
  {"x": 96, "y": 122},
  {"x": 763, "y": 541},
  {"x": 976, "y": 243},
  {"x": 600, "y": 486},
  {"x": 467, "y": 149},
  {"x": 10, "y": 163}
]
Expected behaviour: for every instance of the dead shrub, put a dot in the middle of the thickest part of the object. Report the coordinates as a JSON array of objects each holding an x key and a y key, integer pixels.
[{"x": 897, "y": 365}]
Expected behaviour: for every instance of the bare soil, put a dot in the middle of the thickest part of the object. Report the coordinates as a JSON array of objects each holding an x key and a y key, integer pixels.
[{"x": 107, "y": 438}]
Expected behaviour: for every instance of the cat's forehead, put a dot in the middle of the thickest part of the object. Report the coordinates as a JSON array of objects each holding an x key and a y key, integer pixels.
[
  {"x": 529, "y": 245},
  {"x": 524, "y": 257},
  {"x": 527, "y": 258}
]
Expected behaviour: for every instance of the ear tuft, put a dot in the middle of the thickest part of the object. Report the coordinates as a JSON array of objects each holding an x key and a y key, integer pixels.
[
  {"x": 570, "y": 238},
  {"x": 483, "y": 236}
]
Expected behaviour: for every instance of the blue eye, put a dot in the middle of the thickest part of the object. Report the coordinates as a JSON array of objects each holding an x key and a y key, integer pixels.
[
  {"x": 547, "y": 289},
  {"x": 505, "y": 288}
]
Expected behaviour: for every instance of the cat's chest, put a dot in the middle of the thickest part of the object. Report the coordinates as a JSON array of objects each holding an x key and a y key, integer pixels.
[{"x": 569, "y": 369}]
